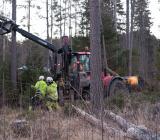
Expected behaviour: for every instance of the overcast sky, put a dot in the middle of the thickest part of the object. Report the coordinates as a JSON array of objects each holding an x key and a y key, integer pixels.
[
  {"x": 155, "y": 14},
  {"x": 39, "y": 26},
  {"x": 153, "y": 6}
]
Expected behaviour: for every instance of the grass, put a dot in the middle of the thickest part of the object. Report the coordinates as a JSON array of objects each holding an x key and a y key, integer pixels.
[
  {"x": 135, "y": 99},
  {"x": 138, "y": 108},
  {"x": 49, "y": 126}
]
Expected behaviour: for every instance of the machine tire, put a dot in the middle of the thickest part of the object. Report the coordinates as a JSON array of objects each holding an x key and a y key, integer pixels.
[
  {"x": 86, "y": 95},
  {"x": 117, "y": 86}
]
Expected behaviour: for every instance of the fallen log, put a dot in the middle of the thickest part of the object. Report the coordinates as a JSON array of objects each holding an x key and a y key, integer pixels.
[
  {"x": 91, "y": 119},
  {"x": 137, "y": 132}
]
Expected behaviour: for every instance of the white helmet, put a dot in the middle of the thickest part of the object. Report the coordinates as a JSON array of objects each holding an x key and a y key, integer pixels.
[
  {"x": 49, "y": 79},
  {"x": 41, "y": 77}
]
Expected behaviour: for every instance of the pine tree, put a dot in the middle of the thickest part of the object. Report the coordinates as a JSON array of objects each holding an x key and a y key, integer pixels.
[
  {"x": 132, "y": 2},
  {"x": 85, "y": 20},
  {"x": 96, "y": 90},
  {"x": 142, "y": 20},
  {"x": 142, "y": 23}
]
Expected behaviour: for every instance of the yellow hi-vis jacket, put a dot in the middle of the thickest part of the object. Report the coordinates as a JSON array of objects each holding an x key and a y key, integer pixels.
[
  {"x": 51, "y": 91},
  {"x": 41, "y": 86}
]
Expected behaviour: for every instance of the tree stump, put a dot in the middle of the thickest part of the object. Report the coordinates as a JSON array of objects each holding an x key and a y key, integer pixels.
[{"x": 21, "y": 128}]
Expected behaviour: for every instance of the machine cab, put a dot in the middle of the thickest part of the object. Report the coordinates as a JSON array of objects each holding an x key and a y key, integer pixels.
[
  {"x": 80, "y": 70},
  {"x": 80, "y": 62}
]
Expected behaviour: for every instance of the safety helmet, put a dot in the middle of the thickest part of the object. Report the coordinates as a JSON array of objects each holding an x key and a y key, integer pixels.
[
  {"x": 41, "y": 77},
  {"x": 49, "y": 79}
]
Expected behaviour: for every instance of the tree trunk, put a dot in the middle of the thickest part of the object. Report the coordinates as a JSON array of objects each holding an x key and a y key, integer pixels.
[
  {"x": 131, "y": 38},
  {"x": 29, "y": 15},
  {"x": 70, "y": 21},
  {"x": 51, "y": 29},
  {"x": 127, "y": 24},
  {"x": 96, "y": 90},
  {"x": 14, "y": 50},
  {"x": 115, "y": 14},
  {"x": 47, "y": 27},
  {"x": 103, "y": 48},
  {"x": 47, "y": 20},
  {"x": 75, "y": 20},
  {"x": 28, "y": 26},
  {"x": 91, "y": 119},
  {"x": 65, "y": 17},
  {"x": 60, "y": 21},
  {"x": 151, "y": 47},
  {"x": 143, "y": 60}
]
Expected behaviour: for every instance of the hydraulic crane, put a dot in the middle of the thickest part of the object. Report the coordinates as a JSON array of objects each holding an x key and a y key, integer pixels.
[
  {"x": 7, "y": 26},
  {"x": 64, "y": 81},
  {"x": 74, "y": 79}
]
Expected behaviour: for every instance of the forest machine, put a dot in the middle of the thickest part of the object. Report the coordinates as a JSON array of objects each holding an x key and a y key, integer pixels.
[{"x": 74, "y": 76}]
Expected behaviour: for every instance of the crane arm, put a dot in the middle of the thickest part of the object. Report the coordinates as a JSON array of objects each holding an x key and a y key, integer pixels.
[
  {"x": 7, "y": 26},
  {"x": 36, "y": 39}
]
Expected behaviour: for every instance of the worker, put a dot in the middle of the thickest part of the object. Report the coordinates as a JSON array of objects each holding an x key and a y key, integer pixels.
[
  {"x": 86, "y": 49},
  {"x": 66, "y": 53},
  {"x": 51, "y": 94},
  {"x": 41, "y": 86}
]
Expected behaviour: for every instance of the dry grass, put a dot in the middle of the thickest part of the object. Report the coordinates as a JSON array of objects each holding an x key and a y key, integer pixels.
[
  {"x": 48, "y": 126},
  {"x": 138, "y": 109},
  {"x": 65, "y": 125},
  {"x": 145, "y": 114}
]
